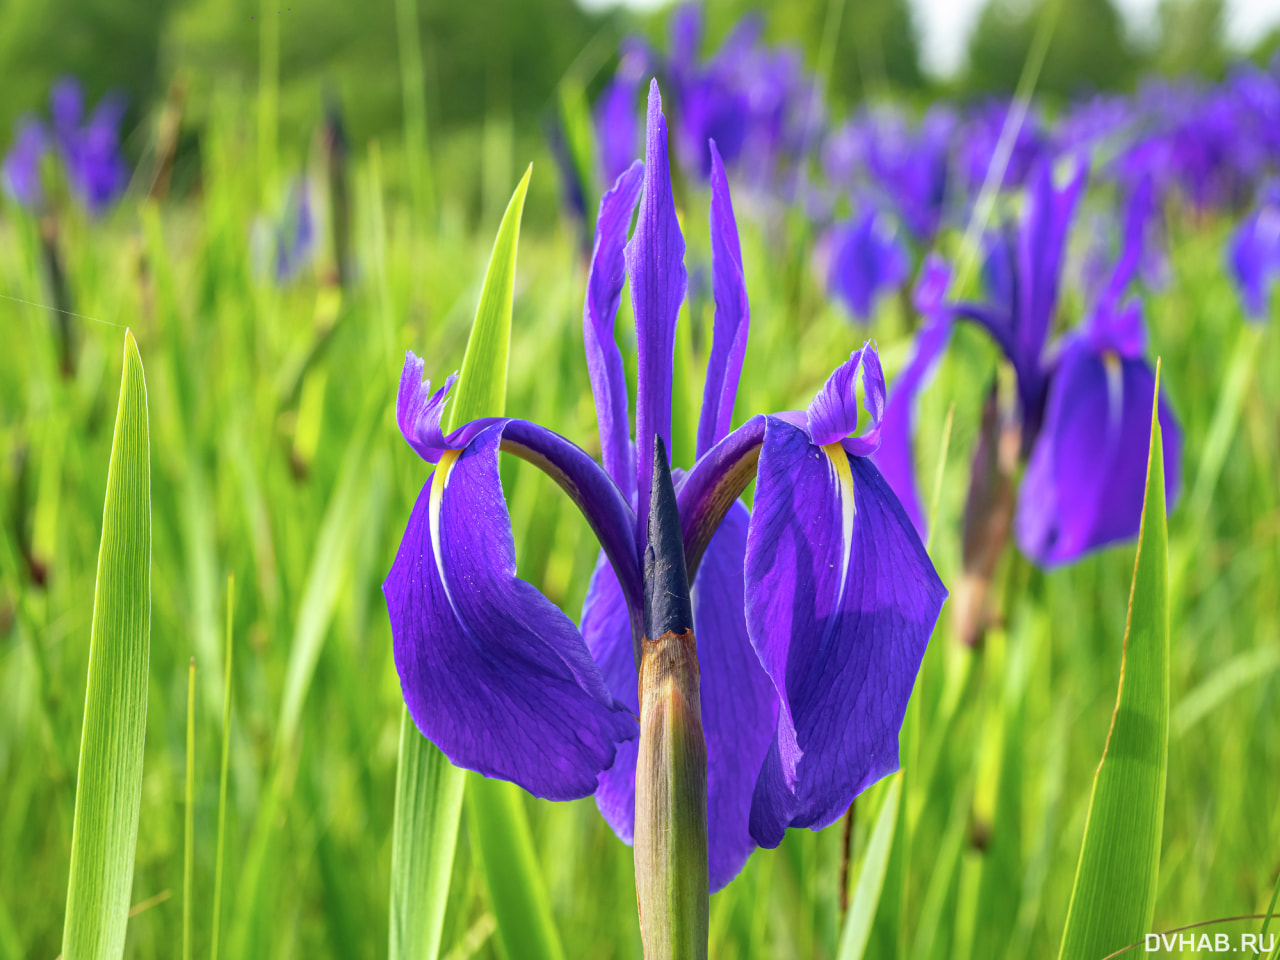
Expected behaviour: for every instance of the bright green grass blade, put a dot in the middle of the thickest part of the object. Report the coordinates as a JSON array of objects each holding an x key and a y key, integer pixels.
[
  {"x": 482, "y": 388},
  {"x": 423, "y": 840},
  {"x": 109, "y": 785},
  {"x": 1114, "y": 896},
  {"x": 189, "y": 827},
  {"x": 429, "y": 789},
  {"x": 500, "y": 833},
  {"x": 866, "y": 896},
  {"x": 222, "y": 777}
]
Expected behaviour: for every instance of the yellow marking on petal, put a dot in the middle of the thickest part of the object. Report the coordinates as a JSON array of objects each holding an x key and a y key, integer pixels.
[
  {"x": 844, "y": 489},
  {"x": 440, "y": 480},
  {"x": 1115, "y": 388}
]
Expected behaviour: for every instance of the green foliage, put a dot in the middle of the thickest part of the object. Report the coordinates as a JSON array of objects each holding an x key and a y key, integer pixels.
[
  {"x": 1116, "y": 882},
  {"x": 877, "y": 48},
  {"x": 866, "y": 896},
  {"x": 109, "y": 784},
  {"x": 1088, "y": 50},
  {"x": 226, "y": 497}
]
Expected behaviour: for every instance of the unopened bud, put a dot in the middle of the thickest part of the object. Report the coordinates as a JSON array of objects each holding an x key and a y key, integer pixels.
[{"x": 672, "y": 885}]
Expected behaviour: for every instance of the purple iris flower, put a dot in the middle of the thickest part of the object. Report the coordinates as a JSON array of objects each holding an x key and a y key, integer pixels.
[
  {"x": 811, "y": 612},
  {"x": 1086, "y": 475},
  {"x": 90, "y": 151},
  {"x": 22, "y": 163},
  {"x": 868, "y": 260},
  {"x": 1023, "y": 274},
  {"x": 1254, "y": 254},
  {"x": 1086, "y": 405}
]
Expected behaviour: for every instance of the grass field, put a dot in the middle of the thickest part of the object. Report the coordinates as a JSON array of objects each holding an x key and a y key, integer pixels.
[{"x": 275, "y": 459}]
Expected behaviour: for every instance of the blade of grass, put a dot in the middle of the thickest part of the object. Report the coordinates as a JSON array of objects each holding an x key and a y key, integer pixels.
[
  {"x": 189, "y": 827},
  {"x": 1114, "y": 896},
  {"x": 429, "y": 790},
  {"x": 222, "y": 776},
  {"x": 866, "y": 896},
  {"x": 109, "y": 785},
  {"x": 1221, "y": 685}
]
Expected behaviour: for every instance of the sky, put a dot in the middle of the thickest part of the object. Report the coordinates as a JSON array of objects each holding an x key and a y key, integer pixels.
[{"x": 945, "y": 25}]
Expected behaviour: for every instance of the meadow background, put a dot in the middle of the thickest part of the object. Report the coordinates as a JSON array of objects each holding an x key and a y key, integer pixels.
[{"x": 276, "y": 460}]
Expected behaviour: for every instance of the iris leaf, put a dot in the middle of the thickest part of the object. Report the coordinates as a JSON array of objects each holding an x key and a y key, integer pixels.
[
  {"x": 1114, "y": 896},
  {"x": 866, "y": 896},
  {"x": 429, "y": 789},
  {"x": 109, "y": 785}
]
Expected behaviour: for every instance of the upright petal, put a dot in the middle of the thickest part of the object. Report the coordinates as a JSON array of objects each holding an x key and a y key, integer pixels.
[
  {"x": 604, "y": 360},
  {"x": 841, "y": 600},
  {"x": 655, "y": 269},
  {"x": 419, "y": 411},
  {"x": 739, "y": 705},
  {"x": 895, "y": 458},
  {"x": 492, "y": 672},
  {"x": 1041, "y": 249},
  {"x": 733, "y": 314},
  {"x": 1086, "y": 476},
  {"x": 833, "y": 413}
]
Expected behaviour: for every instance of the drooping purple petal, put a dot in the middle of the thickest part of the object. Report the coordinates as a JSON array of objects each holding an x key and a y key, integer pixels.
[
  {"x": 832, "y": 415},
  {"x": 733, "y": 314},
  {"x": 841, "y": 600},
  {"x": 1086, "y": 475},
  {"x": 739, "y": 705},
  {"x": 492, "y": 672},
  {"x": 602, "y": 503},
  {"x": 21, "y": 168},
  {"x": 895, "y": 458},
  {"x": 604, "y": 360},
  {"x": 1254, "y": 255},
  {"x": 655, "y": 269}
]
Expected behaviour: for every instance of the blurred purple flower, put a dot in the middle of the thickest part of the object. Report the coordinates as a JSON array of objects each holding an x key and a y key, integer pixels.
[
  {"x": 90, "y": 152},
  {"x": 979, "y": 136},
  {"x": 868, "y": 260},
  {"x": 283, "y": 247},
  {"x": 1254, "y": 254},
  {"x": 22, "y": 163},
  {"x": 1023, "y": 271}
]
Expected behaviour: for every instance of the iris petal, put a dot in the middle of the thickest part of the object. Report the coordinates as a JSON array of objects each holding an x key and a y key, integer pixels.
[
  {"x": 833, "y": 413},
  {"x": 841, "y": 600},
  {"x": 655, "y": 269},
  {"x": 492, "y": 672},
  {"x": 604, "y": 360},
  {"x": 1087, "y": 472},
  {"x": 733, "y": 314}
]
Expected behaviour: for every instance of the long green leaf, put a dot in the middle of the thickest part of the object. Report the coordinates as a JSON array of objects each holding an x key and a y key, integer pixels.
[
  {"x": 429, "y": 789},
  {"x": 499, "y": 829},
  {"x": 109, "y": 785},
  {"x": 1114, "y": 896},
  {"x": 866, "y": 896}
]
